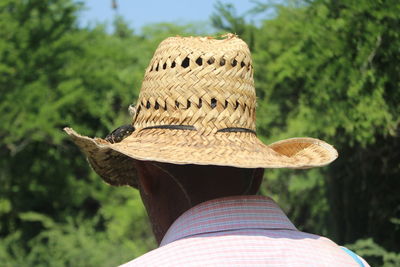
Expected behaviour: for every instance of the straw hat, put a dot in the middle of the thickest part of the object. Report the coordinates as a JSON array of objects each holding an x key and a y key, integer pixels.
[{"x": 197, "y": 105}]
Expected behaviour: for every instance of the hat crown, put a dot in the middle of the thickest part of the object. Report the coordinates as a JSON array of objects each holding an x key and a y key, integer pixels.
[{"x": 201, "y": 82}]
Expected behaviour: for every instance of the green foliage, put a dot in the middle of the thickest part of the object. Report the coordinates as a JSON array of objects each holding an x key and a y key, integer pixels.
[
  {"x": 53, "y": 209},
  {"x": 78, "y": 242},
  {"x": 375, "y": 254},
  {"x": 332, "y": 67},
  {"x": 307, "y": 189},
  {"x": 226, "y": 19}
]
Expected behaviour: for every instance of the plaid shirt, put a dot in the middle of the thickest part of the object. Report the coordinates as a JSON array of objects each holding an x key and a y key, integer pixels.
[{"x": 241, "y": 231}]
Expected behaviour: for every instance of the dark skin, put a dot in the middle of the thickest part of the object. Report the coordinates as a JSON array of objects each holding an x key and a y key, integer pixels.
[{"x": 168, "y": 190}]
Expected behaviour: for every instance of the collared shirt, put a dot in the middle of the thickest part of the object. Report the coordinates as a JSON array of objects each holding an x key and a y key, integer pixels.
[{"x": 241, "y": 231}]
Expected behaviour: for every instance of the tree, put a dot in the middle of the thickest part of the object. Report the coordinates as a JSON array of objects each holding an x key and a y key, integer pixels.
[{"x": 54, "y": 74}]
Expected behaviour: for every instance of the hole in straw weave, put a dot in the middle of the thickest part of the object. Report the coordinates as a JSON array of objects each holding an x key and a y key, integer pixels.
[
  {"x": 164, "y": 66},
  {"x": 200, "y": 103},
  {"x": 237, "y": 105},
  {"x": 199, "y": 61},
  {"x": 211, "y": 60},
  {"x": 173, "y": 64},
  {"x": 185, "y": 62},
  {"x": 188, "y": 104},
  {"x": 222, "y": 62},
  {"x": 234, "y": 63},
  {"x": 242, "y": 64},
  {"x": 213, "y": 102},
  {"x": 226, "y": 104},
  {"x": 177, "y": 104},
  {"x": 148, "y": 105},
  {"x": 157, "y": 67},
  {"x": 156, "y": 105}
]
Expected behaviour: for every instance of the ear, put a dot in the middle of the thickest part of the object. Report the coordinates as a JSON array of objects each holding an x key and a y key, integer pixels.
[
  {"x": 145, "y": 177},
  {"x": 257, "y": 180}
]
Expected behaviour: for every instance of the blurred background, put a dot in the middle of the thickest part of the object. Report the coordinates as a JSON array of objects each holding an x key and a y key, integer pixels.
[{"x": 323, "y": 68}]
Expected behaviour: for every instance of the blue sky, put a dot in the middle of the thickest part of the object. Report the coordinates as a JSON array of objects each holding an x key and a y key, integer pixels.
[{"x": 141, "y": 12}]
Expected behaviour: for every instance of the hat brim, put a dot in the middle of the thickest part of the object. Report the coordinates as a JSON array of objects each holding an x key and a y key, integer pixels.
[{"x": 114, "y": 162}]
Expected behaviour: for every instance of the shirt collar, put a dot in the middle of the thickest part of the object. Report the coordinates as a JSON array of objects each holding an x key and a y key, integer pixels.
[{"x": 230, "y": 213}]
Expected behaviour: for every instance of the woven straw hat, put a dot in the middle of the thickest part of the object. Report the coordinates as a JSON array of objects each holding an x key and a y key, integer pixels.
[{"x": 197, "y": 106}]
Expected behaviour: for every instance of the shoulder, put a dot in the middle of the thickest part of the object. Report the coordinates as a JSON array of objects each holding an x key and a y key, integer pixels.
[
  {"x": 168, "y": 255},
  {"x": 332, "y": 250},
  {"x": 272, "y": 248}
]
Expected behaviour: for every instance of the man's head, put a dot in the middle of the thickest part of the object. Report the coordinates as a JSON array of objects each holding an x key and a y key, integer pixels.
[
  {"x": 196, "y": 106},
  {"x": 168, "y": 190}
]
